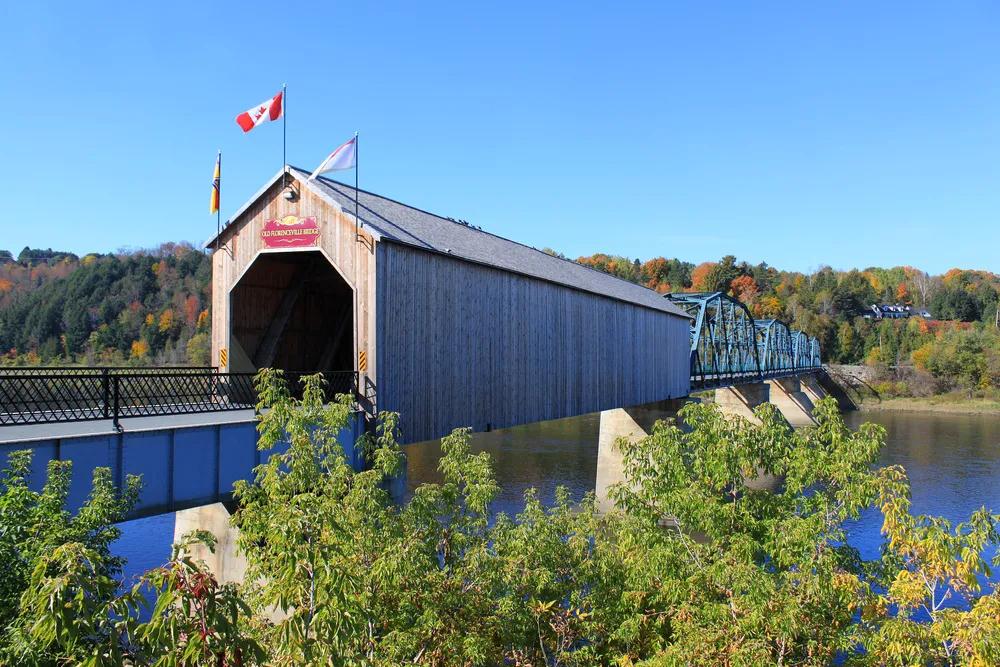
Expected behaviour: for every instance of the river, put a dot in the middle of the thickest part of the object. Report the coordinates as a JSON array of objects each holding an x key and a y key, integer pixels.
[{"x": 953, "y": 461}]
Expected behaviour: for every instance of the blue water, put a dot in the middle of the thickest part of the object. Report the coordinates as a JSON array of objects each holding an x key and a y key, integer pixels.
[
  {"x": 145, "y": 544},
  {"x": 953, "y": 462}
]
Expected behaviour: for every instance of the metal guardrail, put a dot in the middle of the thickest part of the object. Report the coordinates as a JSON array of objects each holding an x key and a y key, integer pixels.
[
  {"x": 336, "y": 382},
  {"x": 101, "y": 370},
  {"x": 49, "y": 395}
]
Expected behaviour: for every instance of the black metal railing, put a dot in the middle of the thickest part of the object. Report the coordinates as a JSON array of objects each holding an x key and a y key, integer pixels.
[
  {"x": 337, "y": 382},
  {"x": 47, "y": 395},
  {"x": 103, "y": 370}
]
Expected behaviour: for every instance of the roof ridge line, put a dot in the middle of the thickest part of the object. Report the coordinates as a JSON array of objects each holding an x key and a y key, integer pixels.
[{"x": 483, "y": 231}]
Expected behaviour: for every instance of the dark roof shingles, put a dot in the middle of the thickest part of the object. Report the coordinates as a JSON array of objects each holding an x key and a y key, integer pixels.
[{"x": 411, "y": 226}]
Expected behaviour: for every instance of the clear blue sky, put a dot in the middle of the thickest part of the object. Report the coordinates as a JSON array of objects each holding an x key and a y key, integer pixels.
[{"x": 801, "y": 135}]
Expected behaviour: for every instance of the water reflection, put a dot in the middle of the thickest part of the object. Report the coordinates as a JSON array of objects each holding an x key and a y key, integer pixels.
[
  {"x": 561, "y": 452},
  {"x": 953, "y": 462}
]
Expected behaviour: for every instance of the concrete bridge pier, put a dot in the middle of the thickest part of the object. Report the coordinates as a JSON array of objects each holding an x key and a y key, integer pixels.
[
  {"x": 793, "y": 403},
  {"x": 740, "y": 400},
  {"x": 227, "y": 563},
  {"x": 632, "y": 423},
  {"x": 616, "y": 423},
  {"x": 812, "y": 388},
  {"x": 636, "y": 423}
]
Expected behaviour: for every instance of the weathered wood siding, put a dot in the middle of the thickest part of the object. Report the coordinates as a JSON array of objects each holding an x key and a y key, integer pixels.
[
  {"x": 241, "y": 245},
  {"x": 460, "y": 344}
]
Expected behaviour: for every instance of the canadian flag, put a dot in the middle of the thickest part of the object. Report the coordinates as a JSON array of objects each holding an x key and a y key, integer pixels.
[{"x": 267, "y": 110}]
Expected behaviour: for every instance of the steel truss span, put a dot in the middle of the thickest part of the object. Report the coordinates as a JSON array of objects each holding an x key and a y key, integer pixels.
[{"x": 728, "y": 346}]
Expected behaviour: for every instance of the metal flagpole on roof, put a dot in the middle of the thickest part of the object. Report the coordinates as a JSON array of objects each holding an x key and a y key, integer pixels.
[
  {"x": 356, "y": 219},
  {"x": 218, "y": 205},
  {"x": 357, "y": 239},
  {"x": 284, "y": 131}
]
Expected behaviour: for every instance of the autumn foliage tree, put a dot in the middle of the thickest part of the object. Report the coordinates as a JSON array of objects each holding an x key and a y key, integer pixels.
[
  {"x": 745, "y": 289},
  {"x": 701, "y": 277},
  {"x": 65, "y": 309}
]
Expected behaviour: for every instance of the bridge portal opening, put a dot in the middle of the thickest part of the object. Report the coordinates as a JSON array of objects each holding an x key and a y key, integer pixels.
[{"x": 293, "y": 311}]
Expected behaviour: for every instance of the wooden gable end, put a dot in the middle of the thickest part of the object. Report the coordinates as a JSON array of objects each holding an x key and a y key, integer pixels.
[{"x": 244, "y": 241}]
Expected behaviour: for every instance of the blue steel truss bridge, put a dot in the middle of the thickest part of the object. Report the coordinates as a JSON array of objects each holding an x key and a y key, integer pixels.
[{"x": 730, "y": 347}]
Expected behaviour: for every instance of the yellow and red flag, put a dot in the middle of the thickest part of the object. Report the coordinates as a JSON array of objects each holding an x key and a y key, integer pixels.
[{"x": 213, "y": 205}]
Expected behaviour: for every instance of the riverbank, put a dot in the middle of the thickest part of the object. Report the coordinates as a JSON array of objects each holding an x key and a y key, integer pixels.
[{"x": 948, "y": 403}]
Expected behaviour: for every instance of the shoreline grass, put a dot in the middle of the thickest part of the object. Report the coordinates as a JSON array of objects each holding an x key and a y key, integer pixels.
[{"x": 952, "y": 403}]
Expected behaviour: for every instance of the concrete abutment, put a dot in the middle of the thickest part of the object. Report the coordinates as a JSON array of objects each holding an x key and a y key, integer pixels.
[
  {"x": 812, "y": 388},
  {"x": 740, "y": 400},
  {"x": 636, "y": 423},
  {"x": 632, "y": 423},
  {"x": 615, "y": 424},
  {"x": 226, "y": 563},
  {"x": 793, "y": 403}
]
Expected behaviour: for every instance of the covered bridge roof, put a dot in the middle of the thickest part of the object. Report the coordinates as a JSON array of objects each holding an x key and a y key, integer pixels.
[{"x": 393, "y": 221}]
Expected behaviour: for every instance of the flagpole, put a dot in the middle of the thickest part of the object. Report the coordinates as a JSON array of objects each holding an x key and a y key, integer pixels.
[
  {"x": 284, "y": 131},
  {"x": 356, "y": 219},
  {"x": 218, "y": 208},
  {"x": 357, "y": 239}
]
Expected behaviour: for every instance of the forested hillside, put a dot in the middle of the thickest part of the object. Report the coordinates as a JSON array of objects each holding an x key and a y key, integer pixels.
[
  {"x": 130, "y": 307},
  {"x": 958, "y": 347}
]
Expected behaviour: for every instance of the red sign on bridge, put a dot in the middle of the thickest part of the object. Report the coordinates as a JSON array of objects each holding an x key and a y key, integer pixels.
[{"x": 290, "y": 232}]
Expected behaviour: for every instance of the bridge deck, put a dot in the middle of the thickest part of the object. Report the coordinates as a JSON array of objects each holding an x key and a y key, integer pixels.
[
  {"x": 184, "y": 460},
  {"x": 26, "y": 433}
]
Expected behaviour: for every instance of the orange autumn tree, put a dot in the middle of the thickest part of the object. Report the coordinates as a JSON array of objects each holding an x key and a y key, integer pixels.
[
  {"x": 192, "y": 306},
  {"x": 655, "y": 273},
  {"x": 140, "y": 349},
  {"x": 745, "y": 289},
  {"x": 768, "y": 308},
  {"x": 700, "y": 276}
]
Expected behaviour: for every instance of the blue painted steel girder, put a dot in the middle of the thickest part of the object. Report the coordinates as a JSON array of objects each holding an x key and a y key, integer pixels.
[
  {"x": 774, "y": 339},
  {"x": 801, "y": 349},
  {"x": 723, "y": 338}
]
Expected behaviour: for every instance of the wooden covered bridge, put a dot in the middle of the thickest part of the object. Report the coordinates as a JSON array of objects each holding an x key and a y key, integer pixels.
[
  {"x": 446, "y": 324},
  {"x": 415, "y": 313}
]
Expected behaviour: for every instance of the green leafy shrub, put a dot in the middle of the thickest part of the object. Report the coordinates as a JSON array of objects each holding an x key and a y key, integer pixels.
[
  {"x": 697, "y": 566},
  {"x": 47, "y": 550}
]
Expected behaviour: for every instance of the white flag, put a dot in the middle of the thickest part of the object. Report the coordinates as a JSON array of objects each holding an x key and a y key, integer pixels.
[{"x": 344, "y": 157}]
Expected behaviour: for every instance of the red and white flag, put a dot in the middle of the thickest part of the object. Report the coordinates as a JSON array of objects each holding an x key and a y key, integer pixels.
[
  {"x": 267, "y": 110},
  {"x": 344, "y": 156}
]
